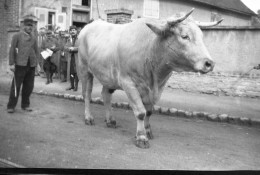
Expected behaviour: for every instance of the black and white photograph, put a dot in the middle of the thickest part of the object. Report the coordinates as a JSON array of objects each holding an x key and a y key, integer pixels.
[{"x": 109, "y": 86}]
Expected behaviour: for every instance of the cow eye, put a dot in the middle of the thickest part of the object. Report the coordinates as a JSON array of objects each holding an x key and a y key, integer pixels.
[{"x": 186, "y": 37}]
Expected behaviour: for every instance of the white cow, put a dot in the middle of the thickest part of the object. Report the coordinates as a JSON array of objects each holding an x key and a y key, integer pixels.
[{"x": 139, "y": 57}]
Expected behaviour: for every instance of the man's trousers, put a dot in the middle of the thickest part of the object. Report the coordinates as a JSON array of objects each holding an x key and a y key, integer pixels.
[{"x": 23, "y": 75}]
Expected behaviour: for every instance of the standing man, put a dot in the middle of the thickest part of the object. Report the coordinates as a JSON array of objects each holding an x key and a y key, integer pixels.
[
  {"x": 72, "y": 50},
  {"x": 48, "y": 64},
  {"x": 23, "y": 57},
  {"x": 63, "y": 59}
]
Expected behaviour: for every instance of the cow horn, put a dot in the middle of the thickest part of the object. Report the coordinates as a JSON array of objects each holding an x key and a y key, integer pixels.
[
  {"x": 208, "y": 24},
  {"x": 172, "y": 21}
]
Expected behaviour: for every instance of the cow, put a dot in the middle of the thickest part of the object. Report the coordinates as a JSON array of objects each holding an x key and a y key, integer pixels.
[{"x": 138, "y": 58}]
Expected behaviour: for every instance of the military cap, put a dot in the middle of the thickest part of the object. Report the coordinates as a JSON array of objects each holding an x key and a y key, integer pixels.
[
  {"x": 48, "y": 32},
  {"x": 73, "y": 27},
  {"x": 28, "y": 22}
]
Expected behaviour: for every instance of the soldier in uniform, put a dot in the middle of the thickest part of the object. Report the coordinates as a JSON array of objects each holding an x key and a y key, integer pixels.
[{"x": 48, "y": 66}]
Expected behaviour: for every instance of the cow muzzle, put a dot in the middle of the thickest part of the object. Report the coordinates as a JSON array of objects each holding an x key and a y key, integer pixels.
[{"x": 205, "y": 66}]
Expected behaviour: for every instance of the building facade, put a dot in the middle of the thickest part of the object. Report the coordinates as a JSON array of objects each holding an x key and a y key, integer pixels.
[
  {"x": 60, "y": 13},
  {"x": 234, "y": 12}
]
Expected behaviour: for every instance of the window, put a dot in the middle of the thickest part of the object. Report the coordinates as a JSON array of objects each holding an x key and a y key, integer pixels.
[
  {"x": 80, "y": 16},
  {"x": 85, "y": 3},
  {"x": 151, "y": 8},
  {"x": 49, "y": 17},
  {"x": 81, "y": 2},
  {"x": 51, "y": 20},
  {"x": 64, "y": 9}
]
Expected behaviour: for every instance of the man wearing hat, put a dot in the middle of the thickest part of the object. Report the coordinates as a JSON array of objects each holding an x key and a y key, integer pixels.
[
  {"x": 23, "y": 56},
  {"x": 71, "y": 49},
  {"x": 48, "y": 64}
]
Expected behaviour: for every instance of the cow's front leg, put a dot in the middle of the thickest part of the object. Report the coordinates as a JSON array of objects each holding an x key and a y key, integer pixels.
[
  {"x": 107, "y": 97},
  {"x": 88, "y": 81},
  {"x": 146, "y": 121},
  {"x": 139, "y": 112}
]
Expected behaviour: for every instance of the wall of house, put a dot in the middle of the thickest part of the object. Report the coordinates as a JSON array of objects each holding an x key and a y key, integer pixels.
[
  {"x": 9, "y": 17},
  {"x": 233, "y": 49},
  {"x": 103, "y": 5},
  {"x": 169, "y": 8},
  {"x": 202, "y": 12},
  {"x": 28, "y": 7}
]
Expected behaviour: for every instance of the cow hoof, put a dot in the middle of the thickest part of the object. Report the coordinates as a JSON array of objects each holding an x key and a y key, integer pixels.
[
  {"x": 111, "y": 124},
  {"x": 142, "y": 144},
  {"x": 89, "y": 122}
]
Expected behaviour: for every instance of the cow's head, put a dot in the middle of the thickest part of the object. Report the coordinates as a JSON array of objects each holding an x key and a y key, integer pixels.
[{"x": 181, "y": 43}]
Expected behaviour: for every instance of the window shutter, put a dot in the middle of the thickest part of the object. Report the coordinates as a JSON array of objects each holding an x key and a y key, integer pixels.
[
  {"x": 42, "y": 15},
  {"x": 61, "y": 21}
]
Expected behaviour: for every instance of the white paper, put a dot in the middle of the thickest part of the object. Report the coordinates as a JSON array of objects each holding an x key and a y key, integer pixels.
[{"x": 46, "y": 53}]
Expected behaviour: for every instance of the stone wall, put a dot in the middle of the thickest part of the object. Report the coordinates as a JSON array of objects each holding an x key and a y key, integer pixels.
[{"x": 219, "y": 84}]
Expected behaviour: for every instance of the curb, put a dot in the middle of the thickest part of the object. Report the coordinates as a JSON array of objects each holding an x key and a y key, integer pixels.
[
  {"x": 7, "y": 164},
  {"x": 173, "y": 112}
]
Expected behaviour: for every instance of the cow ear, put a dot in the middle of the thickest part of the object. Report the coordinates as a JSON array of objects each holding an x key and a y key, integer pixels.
[{"x": 156, "y": 28}]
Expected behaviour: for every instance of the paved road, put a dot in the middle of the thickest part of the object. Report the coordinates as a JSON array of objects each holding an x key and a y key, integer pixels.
[
  {"x": 54, "y": 136},
  {"x": 234, "y": 106}
]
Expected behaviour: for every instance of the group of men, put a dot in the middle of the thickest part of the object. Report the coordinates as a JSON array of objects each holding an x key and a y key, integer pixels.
[
  {"x": 24, "y": 56},
  {"x": 66, "y": 46}
]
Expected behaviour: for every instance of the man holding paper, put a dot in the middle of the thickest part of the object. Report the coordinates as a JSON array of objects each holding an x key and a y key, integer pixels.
[
  {"x": 49, "y": 46},
  {"x": 23, "y": 56}
]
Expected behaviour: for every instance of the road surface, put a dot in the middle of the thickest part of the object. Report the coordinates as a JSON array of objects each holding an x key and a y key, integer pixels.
[{"x": 54, "y": 136}]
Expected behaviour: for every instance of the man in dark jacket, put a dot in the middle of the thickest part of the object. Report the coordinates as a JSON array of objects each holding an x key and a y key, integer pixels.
[
  {"x": 23, "y": 58},
  {"x": 72, "y": 50},
  {"x": 63, "y": 57}
]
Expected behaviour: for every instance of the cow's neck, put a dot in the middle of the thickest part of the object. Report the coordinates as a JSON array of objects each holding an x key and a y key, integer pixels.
[{"x": 160, "y": 70}]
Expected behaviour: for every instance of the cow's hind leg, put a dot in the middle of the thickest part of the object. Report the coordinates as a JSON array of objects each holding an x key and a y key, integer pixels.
[
  {"x": 107, "y": 97},
  {"x": 87, "y": 85}
]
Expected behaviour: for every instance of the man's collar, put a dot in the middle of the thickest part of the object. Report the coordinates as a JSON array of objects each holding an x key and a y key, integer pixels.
[{"x": 75, "y": 36}]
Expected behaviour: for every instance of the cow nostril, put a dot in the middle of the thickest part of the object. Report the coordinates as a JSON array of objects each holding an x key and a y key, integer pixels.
[{"x": 209, "y": 64}]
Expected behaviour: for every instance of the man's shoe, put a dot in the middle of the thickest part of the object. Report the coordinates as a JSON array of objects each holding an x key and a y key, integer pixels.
[
  {"x": 67, "y": 89},
  {"x": 10, "y": 110},
  {"x": 27, "y": 109}
]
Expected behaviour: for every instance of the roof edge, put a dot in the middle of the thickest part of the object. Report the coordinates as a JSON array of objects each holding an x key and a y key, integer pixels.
[{"x": 226, "y": 8}]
